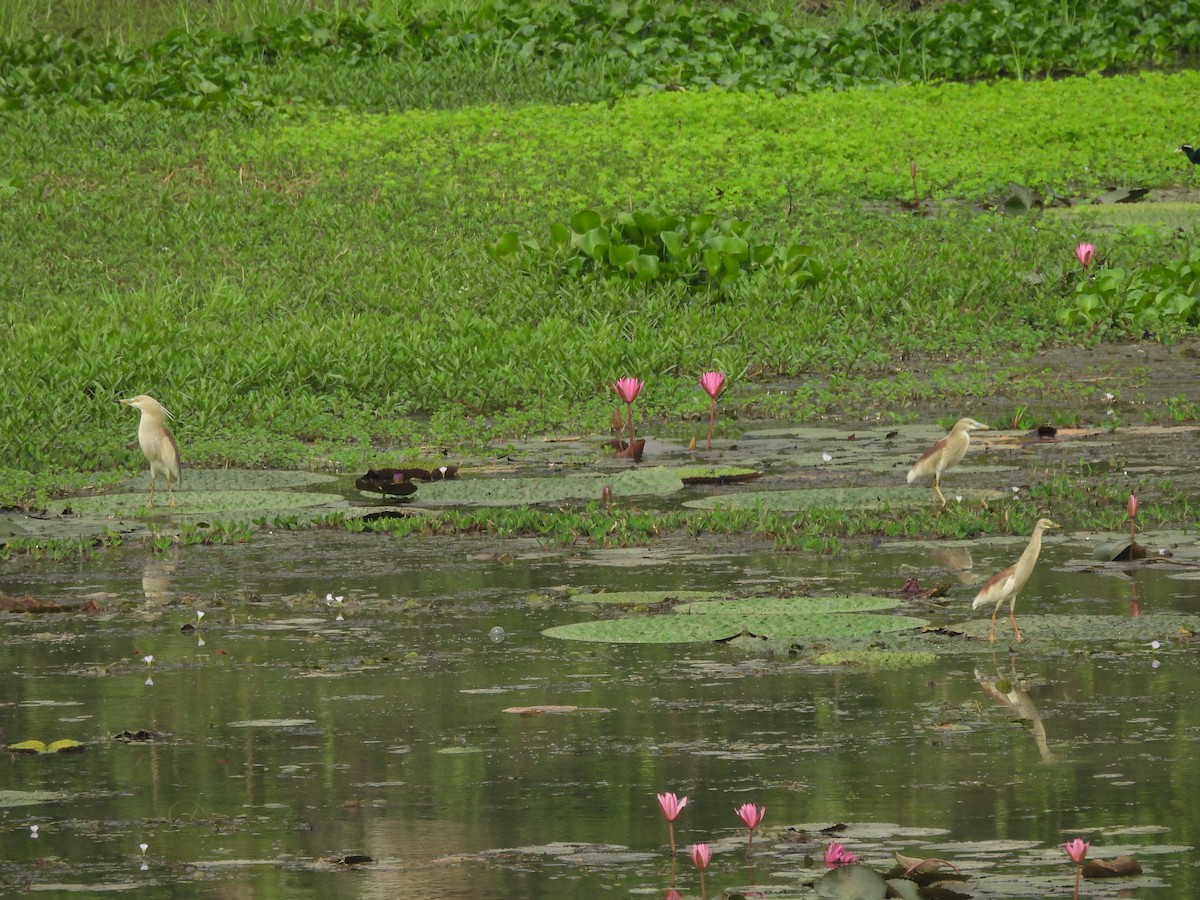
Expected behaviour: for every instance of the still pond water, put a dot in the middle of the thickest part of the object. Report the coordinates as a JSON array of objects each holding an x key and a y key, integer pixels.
[{"x": 287, "y": 739}]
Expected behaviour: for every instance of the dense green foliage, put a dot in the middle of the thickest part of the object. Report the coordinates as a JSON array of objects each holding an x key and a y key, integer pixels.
[
  {"x": 1164, "y": 297},
  {"x": 585, "y": 50},
  {"x": 314, "y": 288}
]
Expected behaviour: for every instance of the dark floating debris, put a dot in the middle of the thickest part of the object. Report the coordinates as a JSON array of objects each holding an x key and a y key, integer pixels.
[
  {"x": 401, "y": 482},
  {"x": 137, "y": 737},
  {"x": 350, "y": 859}
]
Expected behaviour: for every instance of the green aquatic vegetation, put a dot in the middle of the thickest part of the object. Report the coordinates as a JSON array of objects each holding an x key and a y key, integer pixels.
[
  {"x": 64, "y": 745},
  {"x": 583, "y": 50},
  {"x": 1163, "y": 299},
  {"x": 699, "y": 251}
]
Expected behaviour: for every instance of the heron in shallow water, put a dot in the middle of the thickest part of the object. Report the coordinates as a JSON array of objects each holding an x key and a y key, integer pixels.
[
  {"x": 156, "y": 442},
  {"x": 1007, "y": 584},
  {"x": 945, "y": 454}
]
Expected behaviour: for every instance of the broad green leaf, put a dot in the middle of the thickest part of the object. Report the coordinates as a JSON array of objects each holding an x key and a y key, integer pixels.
[
  {"x": 504, "y": 246},
  {"x": 584, "y": 221},
  {"x": 595, "y": 242},
  {"x": 646, "y": 267},
  {"x": 622, "y": 255}
]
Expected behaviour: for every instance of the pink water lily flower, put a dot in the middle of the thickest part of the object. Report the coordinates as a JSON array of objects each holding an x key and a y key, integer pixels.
[
  {"x": 837, "y": 855},
  {"x": 712, "y": 382},
  {"x": 751, "y": 814},
  {"x": 701, "y": 854},
  {"x": 1077, "y": 850},
  {"x": 1085, "y": 252},
  {"x": 671, "y": 805},
  {"x": 628, "y": 388},
  {"x": 1131, "y": 506}
]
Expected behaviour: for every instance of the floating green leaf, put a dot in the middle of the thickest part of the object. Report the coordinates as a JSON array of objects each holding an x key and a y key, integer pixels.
[
  {"x": 836, "y": 498},
  {"x": 683, "y": 628},
  {"x": 645, "y": 598},
  {"x": 523, "y": 491}
]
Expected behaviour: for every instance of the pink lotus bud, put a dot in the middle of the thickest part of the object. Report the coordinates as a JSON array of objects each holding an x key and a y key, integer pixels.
[
  {"x": 1085, "y": 252},
  {"x": 671, "y": 805},
  {"x": 751, "y": 814},
  {"x": 701, "y": 854},
  {"x": 628, "y": 388},
  {"x": 712, "y": 382},
  {"x": 1131, "y": 506},
  {"x": 1077, "y": 850}
]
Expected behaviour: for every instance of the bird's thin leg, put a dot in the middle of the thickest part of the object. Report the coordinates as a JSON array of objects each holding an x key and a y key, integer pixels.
[
  {"x": 150, "y": 502},
  {"x": 1013, "y": 618},
  {"x": 938, "y": 490},
  {"x": 992, "y": 630}
]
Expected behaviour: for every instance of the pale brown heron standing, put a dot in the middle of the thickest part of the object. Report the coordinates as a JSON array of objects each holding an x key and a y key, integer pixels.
[
  {"x": 156, "y": 442},
  {"x": 945, "y": 454},
  {"x": 1007, "y": 584}
]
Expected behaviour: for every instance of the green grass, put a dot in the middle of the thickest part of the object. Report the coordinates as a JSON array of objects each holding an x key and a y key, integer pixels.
[{"x": 312, "y": 287}]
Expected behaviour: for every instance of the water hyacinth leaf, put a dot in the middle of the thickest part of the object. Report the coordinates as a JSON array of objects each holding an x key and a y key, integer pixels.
[
  {"x": 595, "y": 242},
  {"x": 560, "y": 236},
  {"x": 646, "y": 267},
  {"x": 504, "y": 246},
  {"x": 683, "y": 628},
  {"x": 855, "y": 882},
  {"x": 584, "y": 221},
  {"x": 622, "y": 255}
]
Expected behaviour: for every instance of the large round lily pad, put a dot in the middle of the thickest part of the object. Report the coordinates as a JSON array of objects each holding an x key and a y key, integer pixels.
[
  {"x": 684, "y": 628},
  {"x": 192, "y": 502},
  {"x": 1054, "y": 628},
  {"x": 787, "y": 605},
  {"x": 551, "y": 489},
  {"x": 840, "y": 498},
  {"x": 646, "y": 598}
]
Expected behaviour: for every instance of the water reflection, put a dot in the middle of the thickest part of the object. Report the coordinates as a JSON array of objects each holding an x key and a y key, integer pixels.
[
  {"x": 1011, "y": 692},
  {"x": 158, "y": 571},
  {"x": 386, "y": 733},
  {"x": 957, "y": 561}
]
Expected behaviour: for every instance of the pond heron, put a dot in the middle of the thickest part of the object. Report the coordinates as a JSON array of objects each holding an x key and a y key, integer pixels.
[
  {"x": 156, "y": 442},
  {"x": 1007, "y": 584},
  {"x": 945, "y": 454}
]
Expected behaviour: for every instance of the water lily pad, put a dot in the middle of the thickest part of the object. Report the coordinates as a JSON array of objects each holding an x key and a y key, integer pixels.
[
  {"x": 855, "y": 882},
  {"x": 193, "y": 502},
  {"x": 677, "y": 628},
  {"x": 646, "y": 598},
  {"x": 272, "y": 723},
  {"x": 876, "y": 659},
  {"x": 546, "y": 489},
  {"x": 1051, "y": 628},
  {"x": 838, "y": 498},
  {"x": 64, "y": 745},
  {"x": 788, "y": 605},
  {"x": 29, "y": 798},
  {"x": 716, "y": 474}
]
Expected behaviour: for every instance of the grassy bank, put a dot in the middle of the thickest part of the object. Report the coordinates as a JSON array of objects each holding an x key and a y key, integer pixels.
[{"x": 314, "y": 288}]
